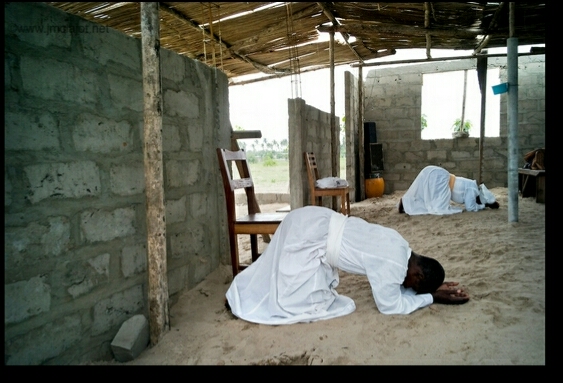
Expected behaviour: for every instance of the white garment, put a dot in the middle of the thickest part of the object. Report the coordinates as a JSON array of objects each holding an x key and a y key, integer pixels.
[
  {"x": 430, "y": 193},
  {"x": 292, "y": 281},
  {"x": 331, "y": 182}
]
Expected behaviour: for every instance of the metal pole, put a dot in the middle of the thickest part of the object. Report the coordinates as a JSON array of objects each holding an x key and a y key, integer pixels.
[
  {"x": 482, "y": 77},
  {"x": 512, "y": 70}
]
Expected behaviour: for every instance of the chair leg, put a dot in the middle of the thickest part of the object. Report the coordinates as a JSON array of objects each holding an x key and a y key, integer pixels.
[
  {"x": 234, "y": 253},
  {"x": 254, "y": 247}
]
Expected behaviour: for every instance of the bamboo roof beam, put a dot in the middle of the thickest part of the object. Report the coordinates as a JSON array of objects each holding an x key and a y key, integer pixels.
[
  {"x": 344, "y": 35},
  {"x": 492, "y": 26},
  {"x": 261, "y": 67},
  {"x": 386, "y": 28},
  {"x": 263, "y": 37}
]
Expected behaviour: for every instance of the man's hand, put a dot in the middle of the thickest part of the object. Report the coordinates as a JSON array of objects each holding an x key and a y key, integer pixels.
[{"x": 448, "y": 293}]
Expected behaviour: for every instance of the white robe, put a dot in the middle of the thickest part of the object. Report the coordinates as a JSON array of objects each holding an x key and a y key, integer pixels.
[
  {"x": 430, "y": 193},
  {"x": 293, "y": 280}
]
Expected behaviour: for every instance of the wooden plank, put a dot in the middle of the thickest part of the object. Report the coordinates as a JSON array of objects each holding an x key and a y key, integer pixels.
[
  {"x": 159, "y": 319},
  {"x": 531, "y": 172},
  {"x": 242, "y": 134}
]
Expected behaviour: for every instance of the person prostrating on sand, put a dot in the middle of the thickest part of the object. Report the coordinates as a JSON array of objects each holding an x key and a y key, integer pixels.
[
  {"x": 295, "y": 279},
  {"x": 434, "y": 188}
]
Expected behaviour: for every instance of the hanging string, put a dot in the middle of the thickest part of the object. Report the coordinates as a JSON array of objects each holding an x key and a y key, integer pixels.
[
  {"x": 211, "y": 33},
  {"x": 220, "y": 39},
  {"x": 203, "y": 36},
  {"x": 293, "y": 54}
]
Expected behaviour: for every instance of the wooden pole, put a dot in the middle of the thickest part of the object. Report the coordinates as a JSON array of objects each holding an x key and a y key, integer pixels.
[
  {"x": 334, "y": 130},
  {"x": 463, "y": 102},
  {"x": 359, "y": 144},
  {"x": 159, "y": 320}
]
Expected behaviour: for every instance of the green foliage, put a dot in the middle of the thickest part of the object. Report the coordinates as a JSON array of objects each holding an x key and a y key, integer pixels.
[
  {"x": 467, "y": 125},
  {"x": 251, "y": 158},
  {"x": 268, "y": 160},
  {"x": 423, "y": 122}
]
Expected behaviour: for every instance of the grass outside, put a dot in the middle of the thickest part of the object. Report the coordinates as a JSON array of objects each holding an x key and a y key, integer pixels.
[{"x": 275, "y": 178}]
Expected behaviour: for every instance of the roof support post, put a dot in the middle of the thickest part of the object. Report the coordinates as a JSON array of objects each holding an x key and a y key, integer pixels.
[
  {"x": 159, "y": 320},
  {"x": 482, "y": 78},
  {"x": 512, "y": 72},
  {"x": 333, "y": 129}
]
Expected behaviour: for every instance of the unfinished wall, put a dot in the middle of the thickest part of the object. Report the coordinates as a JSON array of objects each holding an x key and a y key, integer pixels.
[
  {"x": 75, "y": 226},
  {"x": 309, "y": 131},
  {"x": 393, "y": 102}
]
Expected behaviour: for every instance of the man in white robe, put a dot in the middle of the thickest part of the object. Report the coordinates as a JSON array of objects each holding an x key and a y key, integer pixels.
[
  {"x": 434, "y": 188},
  {"x": 295, "y": 279}
]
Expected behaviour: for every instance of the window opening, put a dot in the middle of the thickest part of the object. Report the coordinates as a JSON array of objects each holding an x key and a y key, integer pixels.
[{"x": 442, "y": 104}]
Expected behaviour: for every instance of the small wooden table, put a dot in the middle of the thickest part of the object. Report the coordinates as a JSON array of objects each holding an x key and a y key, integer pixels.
[{"x": 529, "y": 188}]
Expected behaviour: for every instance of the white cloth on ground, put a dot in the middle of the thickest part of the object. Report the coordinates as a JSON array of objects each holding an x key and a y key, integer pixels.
[
  {"x": 485, "y": 195},
  {"x": 293, "y": 281},
  {"x": 430, "y": 193},
  {"x": 331, "y": 182},
  {"x": 334, "y": 239}
]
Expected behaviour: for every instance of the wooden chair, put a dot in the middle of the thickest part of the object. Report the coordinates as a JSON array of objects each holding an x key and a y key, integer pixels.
[
  {"x": 253, "y": 223},
  {"x": 317, "y": 193}
]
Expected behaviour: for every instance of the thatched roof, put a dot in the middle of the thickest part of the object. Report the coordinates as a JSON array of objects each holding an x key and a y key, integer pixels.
[{"x": 282, "y": 38}]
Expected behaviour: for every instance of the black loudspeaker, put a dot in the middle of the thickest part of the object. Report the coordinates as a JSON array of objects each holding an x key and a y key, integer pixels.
[
  {"x": 370, "y": 134},
  {"x": 373, "y": 152},
  {"x": 376, "y": 157}
]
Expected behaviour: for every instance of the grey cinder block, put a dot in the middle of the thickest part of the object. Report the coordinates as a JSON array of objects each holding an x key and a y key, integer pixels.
[{"x": 131, "y": 339}]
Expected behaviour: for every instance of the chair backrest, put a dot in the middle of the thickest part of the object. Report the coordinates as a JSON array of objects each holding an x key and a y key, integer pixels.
[
  {"x": 312, "y": 169},
  {"x": 230, "y": 183}
]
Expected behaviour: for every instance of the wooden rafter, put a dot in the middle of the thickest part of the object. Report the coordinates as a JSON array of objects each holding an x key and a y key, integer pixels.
[
  {"x": 261, "y": 67},
  {"x": 252, "y": 39},
  {"x": 345, "y": 36},
  {"x": 492, "y": 26},
  {"x": 426, "y": 26},
  {"x": 386, "y": 28}
]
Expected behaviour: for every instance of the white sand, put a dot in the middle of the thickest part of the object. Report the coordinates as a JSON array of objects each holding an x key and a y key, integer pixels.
[{"x": 501, "y": 264}]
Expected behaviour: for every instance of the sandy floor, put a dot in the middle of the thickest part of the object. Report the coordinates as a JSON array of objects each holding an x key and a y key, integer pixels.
[{"x": 500, "y": 263}]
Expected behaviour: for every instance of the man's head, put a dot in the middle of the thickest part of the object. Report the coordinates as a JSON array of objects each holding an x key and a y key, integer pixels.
[
  {"x": 424, "y": 274},
  {"x": 494, "y": 205}
]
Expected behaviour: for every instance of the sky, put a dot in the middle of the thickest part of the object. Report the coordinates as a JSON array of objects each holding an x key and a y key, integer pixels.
[
  {"x": 442, "y": 103},
  {"x": 263, "y": 105}
]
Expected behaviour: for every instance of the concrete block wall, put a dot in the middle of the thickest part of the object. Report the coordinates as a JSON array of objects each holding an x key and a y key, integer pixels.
[
  {"x": 309, "y": 131},
  {"x": 75, "y": 225},
  {"x": 393, "y": 101}
]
